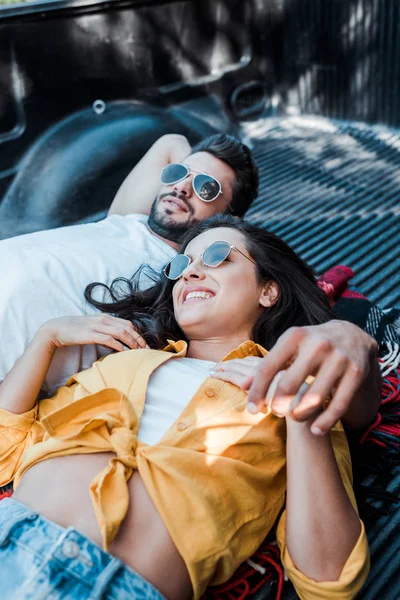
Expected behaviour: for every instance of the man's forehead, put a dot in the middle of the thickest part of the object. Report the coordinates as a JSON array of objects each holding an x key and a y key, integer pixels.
[{"x": 204, "y": 161}]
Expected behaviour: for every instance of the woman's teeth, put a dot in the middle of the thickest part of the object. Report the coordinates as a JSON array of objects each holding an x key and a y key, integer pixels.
[{"x": 202, "y": 295}]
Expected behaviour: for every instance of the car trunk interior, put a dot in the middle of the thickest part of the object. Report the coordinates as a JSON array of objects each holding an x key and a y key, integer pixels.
[{"x": 312, "y": 86}]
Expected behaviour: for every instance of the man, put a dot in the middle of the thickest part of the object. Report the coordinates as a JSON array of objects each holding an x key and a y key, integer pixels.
[
  {"x": 44, "y": 276},
  {"x": 220, "y": 155}
]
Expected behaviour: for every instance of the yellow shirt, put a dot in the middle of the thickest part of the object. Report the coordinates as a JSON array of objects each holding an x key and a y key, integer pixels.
[{"x": 218, "y": 470}]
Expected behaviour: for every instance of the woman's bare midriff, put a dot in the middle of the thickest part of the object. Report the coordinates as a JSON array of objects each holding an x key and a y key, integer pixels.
[{"x": 58, "y": 489}]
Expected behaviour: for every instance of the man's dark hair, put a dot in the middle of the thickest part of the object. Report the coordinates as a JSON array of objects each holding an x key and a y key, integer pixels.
[{"x": 238, "y": 157}]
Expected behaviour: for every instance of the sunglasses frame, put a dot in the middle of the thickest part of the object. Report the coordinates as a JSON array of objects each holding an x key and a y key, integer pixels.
[
  {"x": 202, "y": 259},
  {"x": 189, "y": 171}
]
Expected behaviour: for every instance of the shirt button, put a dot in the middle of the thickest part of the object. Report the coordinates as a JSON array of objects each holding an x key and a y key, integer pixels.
[
  {"x": 181, "y": 426},
  {"x": 210, "y": 393},
  {"x": 70, "y": 549}
]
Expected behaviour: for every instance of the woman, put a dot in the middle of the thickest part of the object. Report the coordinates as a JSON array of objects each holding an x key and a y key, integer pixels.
[{"x": 185, "y": 483}]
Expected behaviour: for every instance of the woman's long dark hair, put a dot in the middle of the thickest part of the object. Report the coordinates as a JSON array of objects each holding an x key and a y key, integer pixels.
[{"x": 151, "y": 310}]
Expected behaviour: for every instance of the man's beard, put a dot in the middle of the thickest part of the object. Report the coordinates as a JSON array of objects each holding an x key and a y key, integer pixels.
[{"x": 164, "y": 226}]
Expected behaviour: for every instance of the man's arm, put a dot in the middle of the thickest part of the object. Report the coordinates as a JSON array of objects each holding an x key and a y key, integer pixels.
[
  {"x": 344, "y": 361},
  {"x": 138, "y": 190}
]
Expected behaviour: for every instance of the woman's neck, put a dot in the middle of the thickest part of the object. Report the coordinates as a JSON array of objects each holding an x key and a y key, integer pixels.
[{"x": 214, "y": 349}]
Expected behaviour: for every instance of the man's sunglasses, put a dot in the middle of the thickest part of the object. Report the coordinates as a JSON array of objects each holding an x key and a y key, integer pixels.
[
  {"x": 207, "y": 188},
  {"x": 212, "y": 257}
]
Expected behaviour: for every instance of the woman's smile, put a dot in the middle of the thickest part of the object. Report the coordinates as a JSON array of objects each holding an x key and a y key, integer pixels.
[{"x": 192, "y": 293}]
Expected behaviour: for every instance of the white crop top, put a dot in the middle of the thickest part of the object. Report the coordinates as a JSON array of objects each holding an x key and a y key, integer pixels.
[{"x": 170, "y": 389}]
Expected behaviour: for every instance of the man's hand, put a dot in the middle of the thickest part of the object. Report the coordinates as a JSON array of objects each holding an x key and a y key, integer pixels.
[
  {"x": 343, "y": 360},
  {"x": 340, "y": 356}
]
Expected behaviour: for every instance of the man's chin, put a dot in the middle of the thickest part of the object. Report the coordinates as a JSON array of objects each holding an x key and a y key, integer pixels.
[
  {"x": 169, "y": 226},
  {"x": 173, "y": 219},
  {"x": 173, "y": 216}
]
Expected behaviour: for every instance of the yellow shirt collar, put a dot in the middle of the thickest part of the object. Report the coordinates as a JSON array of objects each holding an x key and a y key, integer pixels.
[{"x": 248, "y": 348}]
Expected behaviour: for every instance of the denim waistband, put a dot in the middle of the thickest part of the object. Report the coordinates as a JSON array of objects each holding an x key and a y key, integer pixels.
[{"x": 82, "y": 557}]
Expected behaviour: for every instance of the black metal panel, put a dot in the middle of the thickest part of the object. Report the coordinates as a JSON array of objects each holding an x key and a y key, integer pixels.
[
  {"x": 63, "y": 59},
  {"x": 72, "y": 173},
  {"x": 58, "y": 59}
]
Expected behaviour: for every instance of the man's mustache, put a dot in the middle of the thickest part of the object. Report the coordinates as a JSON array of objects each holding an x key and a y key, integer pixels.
[{"x": 180, "y": 197}]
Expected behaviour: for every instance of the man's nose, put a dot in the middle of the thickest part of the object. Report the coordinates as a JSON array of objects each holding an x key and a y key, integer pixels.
[{"x": 184, "y": 187}]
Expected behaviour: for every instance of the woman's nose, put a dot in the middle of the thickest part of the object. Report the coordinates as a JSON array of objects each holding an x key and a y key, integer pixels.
[{"x": 194, "y": 270}]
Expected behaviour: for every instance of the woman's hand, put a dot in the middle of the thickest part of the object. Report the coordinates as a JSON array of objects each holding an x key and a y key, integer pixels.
[
  {"x": 19, "y": 390},
  {"x": 112, "y": 332},
  {"x": 239, "y": 371}
]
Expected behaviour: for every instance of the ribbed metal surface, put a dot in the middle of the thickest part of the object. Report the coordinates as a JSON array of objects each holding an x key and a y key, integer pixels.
[
  {"x": 331, "y": 189},
  {"x": 341, "y": 58},
  {"x": 383, "y": 582}
]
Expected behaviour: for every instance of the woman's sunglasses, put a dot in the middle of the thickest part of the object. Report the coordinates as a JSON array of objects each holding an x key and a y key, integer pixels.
[
  {"x": 207, "y": 188},
  {"x": 212, "y": 257}
]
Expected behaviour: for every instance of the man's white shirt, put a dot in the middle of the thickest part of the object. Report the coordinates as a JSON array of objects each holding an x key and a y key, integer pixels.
[{"x": 43, "y": 275}]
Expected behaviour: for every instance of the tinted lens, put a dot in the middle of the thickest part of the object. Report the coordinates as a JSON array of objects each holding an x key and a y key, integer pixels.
[
  {"x": 216, "y": 254},
  {"x": 173, "y": 173},
  {"x": 175, "y": 268},
  {"x": 206, "y": 187}
]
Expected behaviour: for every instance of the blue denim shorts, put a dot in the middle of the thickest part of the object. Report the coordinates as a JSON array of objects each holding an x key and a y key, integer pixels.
[{"x": 39, "y": 560}]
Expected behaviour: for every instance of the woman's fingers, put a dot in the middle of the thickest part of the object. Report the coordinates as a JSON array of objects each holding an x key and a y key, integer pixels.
[
  {"x": 231, "y": 376},
  {"x": 248, "y": 364},
  {"x": 127, "y": 335},
  {"x": 68, "y": 331},
  {"x": 108, "y": 340},
  {"x": 240, "y": 372},
  {"x": 130, "y": 337}
]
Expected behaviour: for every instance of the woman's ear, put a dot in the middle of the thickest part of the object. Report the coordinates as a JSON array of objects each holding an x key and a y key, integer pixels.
[{"x": 269, "y": 294}]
